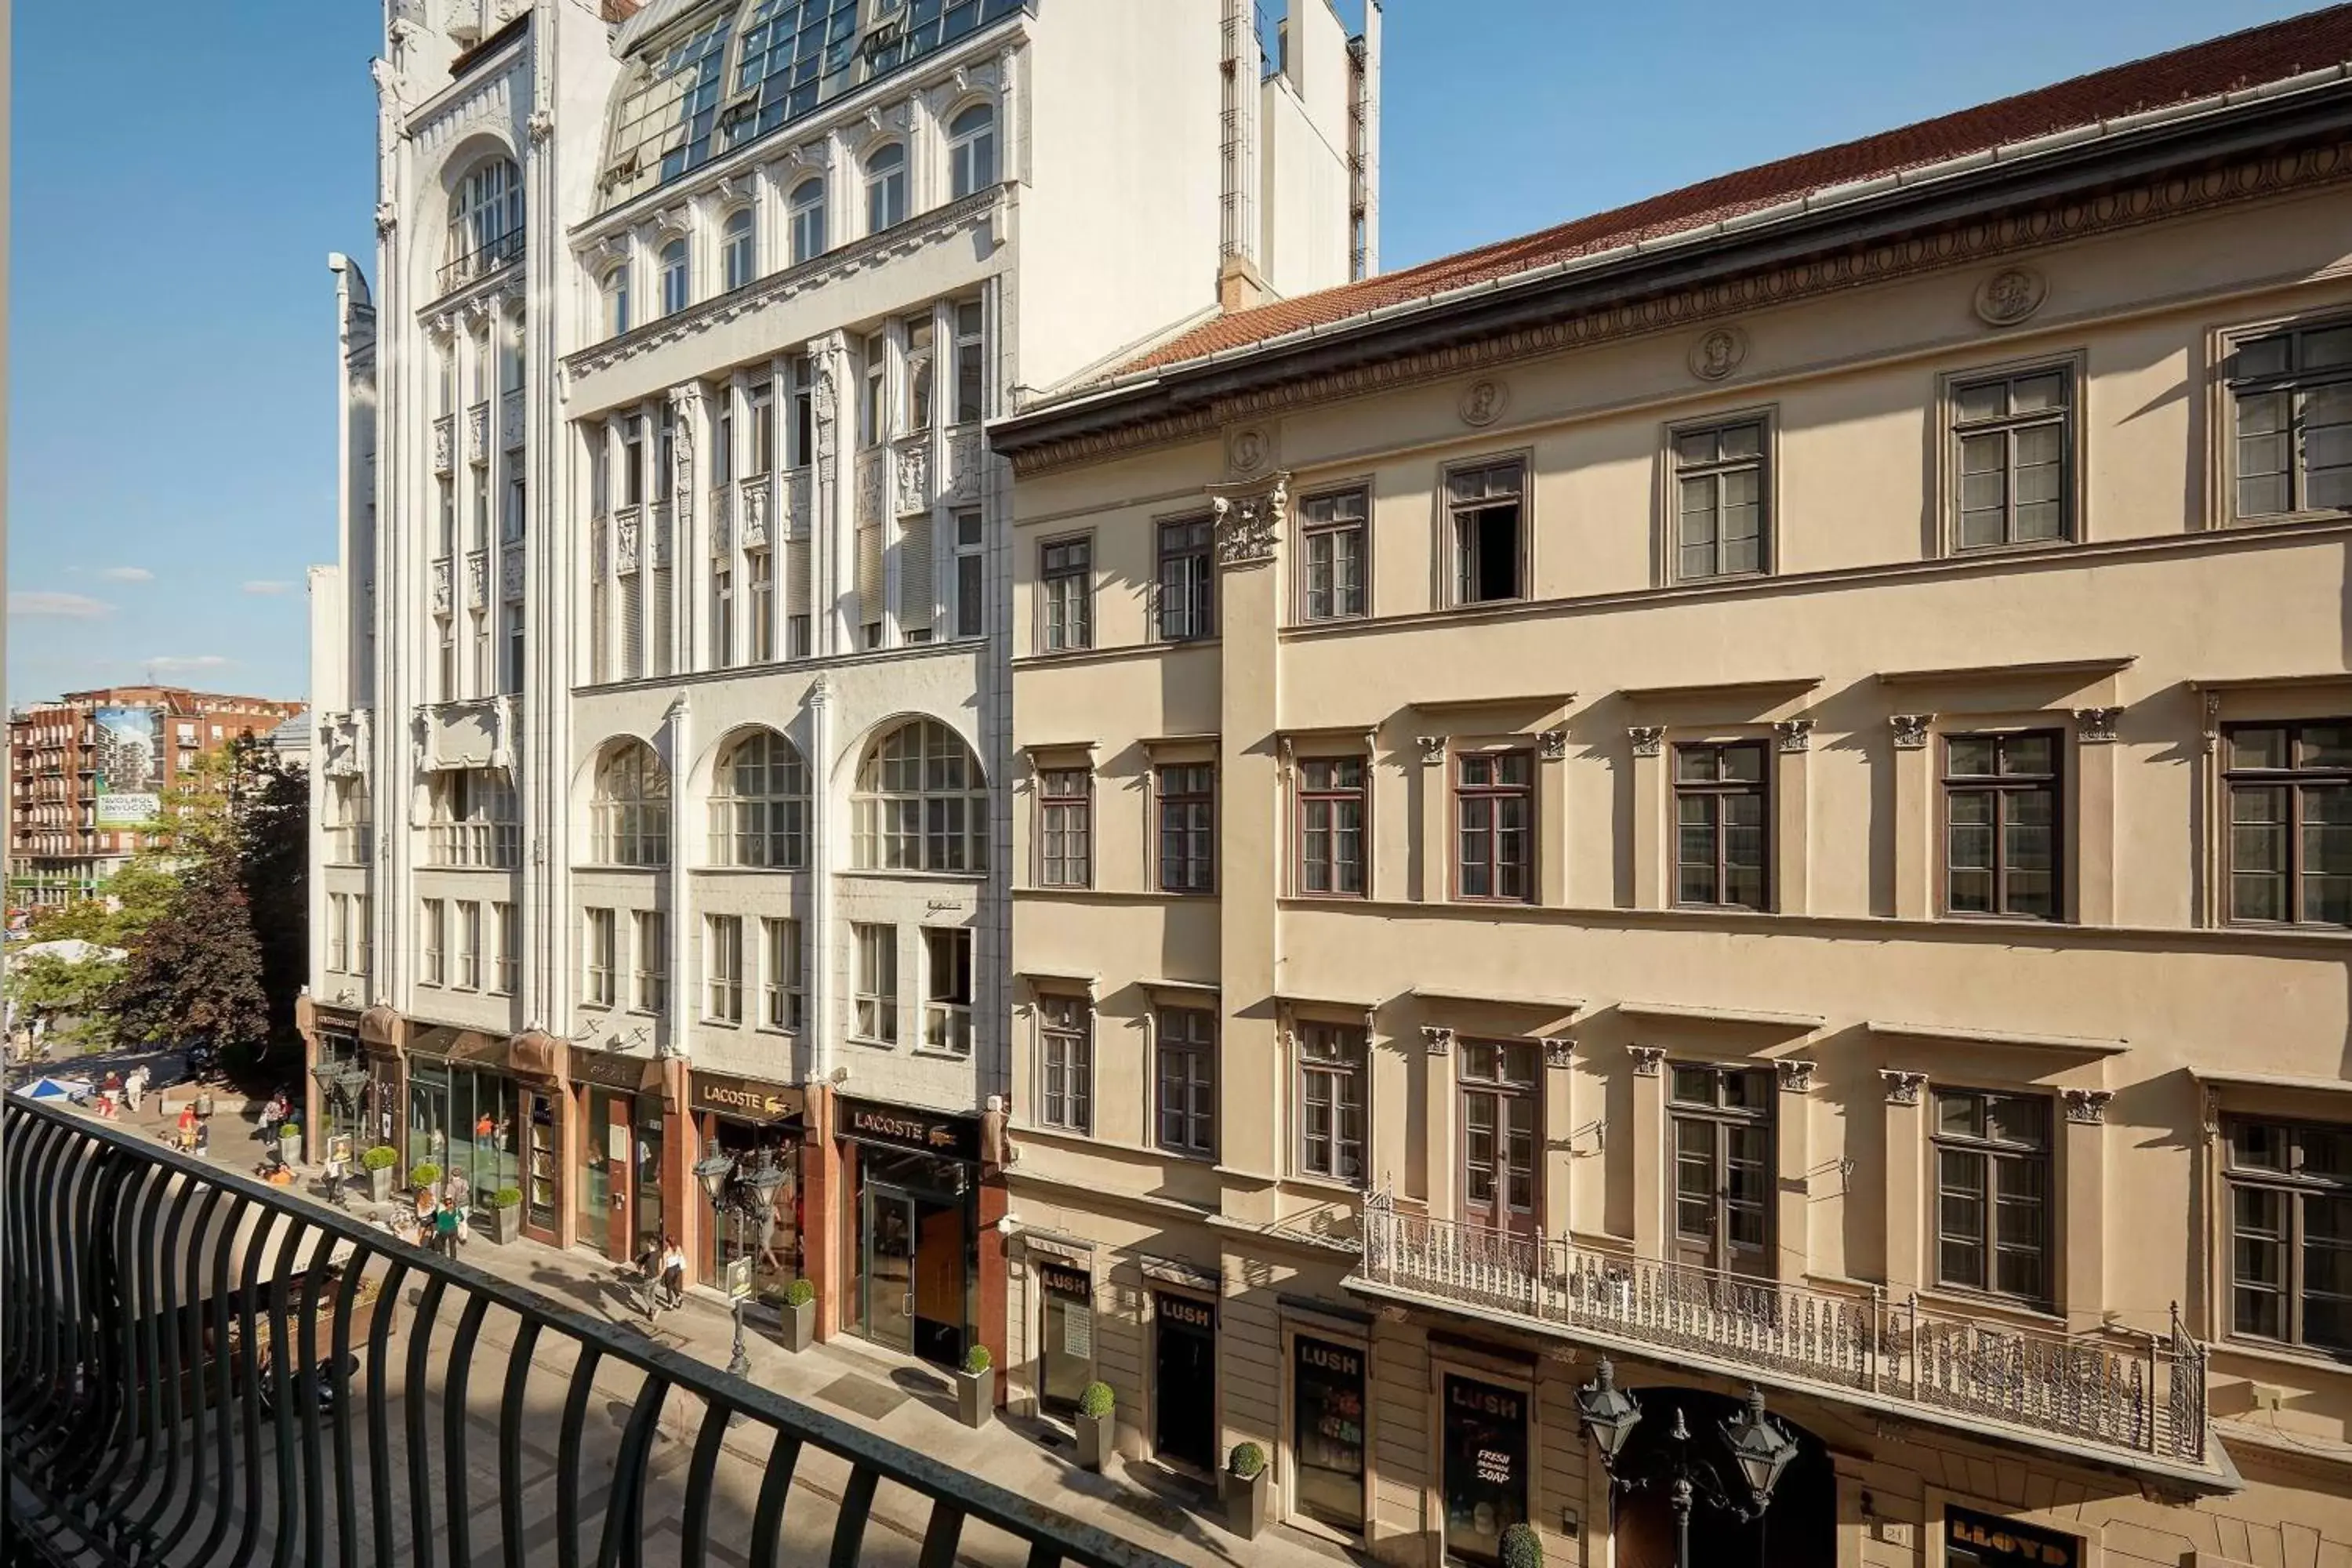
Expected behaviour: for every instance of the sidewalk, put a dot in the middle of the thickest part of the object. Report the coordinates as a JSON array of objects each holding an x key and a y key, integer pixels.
[{"x": 899, "y": 1398}]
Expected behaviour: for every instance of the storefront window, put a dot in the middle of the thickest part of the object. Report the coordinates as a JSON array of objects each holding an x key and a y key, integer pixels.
[
  {"x": 1067, "y": 1358},
  {"x": 918, "y": 1266},
  {"x": 747, "y": 1251},
  {"x": 1328, "y": 1431},
  {"x": 463, "y": 1120},
  {"x": 1486, "y": 1467}
]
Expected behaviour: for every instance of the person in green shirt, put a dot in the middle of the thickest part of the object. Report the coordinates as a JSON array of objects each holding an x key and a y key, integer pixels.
[{"x": 445, "y": 1230}]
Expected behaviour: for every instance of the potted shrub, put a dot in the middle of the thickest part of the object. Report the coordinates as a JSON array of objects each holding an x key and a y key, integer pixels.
[
  {"x": 506, "y": 1214},
  {"x": 1096, "y": 1421},
  {"x": 976, "y": 1387},
  {"x": 1246, "y": 1490},
  {"x": 1521, "y": 1547},
  {"x": 289, "y": 1142},
  {"x": 425, "y": 1177},
  {"x": 799, "y": 1315},
  {"x": 378, "y": 1163}
]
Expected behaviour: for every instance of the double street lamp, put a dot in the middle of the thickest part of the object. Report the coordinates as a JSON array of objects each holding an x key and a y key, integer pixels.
[
  {"x": 1759, "y": 1447},
  {"x": 755, "y": 1181}
]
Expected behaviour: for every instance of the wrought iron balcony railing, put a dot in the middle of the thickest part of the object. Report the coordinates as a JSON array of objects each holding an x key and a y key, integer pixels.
[
  {"x": 2096, "y": 1392},
  {"x": 498, "y": 250},
  {"x": 151, "y": 1414}
]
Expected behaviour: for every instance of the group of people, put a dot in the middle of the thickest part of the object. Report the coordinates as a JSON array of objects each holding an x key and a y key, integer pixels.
[
  {"x": 119, "y": 1090},
  {"x": 662, "y": 1266},
  {"x": 442, "y": 1221}
]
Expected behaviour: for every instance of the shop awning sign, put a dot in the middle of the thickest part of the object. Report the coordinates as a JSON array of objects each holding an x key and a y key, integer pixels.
[
  {"x": 948, "y": 1137},
  {"x": 1983, "y": 1541}
]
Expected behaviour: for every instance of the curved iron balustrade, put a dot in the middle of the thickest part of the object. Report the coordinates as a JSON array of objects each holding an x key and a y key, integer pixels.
[{"x": 146, "y": 1421}]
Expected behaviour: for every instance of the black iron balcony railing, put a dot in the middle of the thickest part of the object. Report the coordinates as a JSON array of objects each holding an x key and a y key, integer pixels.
[
  {"x": 150, "y": 1414},
  {"x": 485, "y": 258}
]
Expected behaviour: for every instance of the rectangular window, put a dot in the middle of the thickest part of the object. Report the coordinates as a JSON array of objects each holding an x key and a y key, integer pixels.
[
  {"x": 918, "y": 378},
  {"x": 514, "y": 671},
  {"x": 946, "y": 989},
  {"x": 507, "y": 965},
  {"x": 783, "y": 990},
  {"x": 632, "y": 461},
  {"x": 971, "y": 583},
  {"x": 633, "y": 625},
  {"x": 1064, "y": 827},
  {"x": 876, "y": 996},
  {"x": 1188, "y": 828},
  {"x": 1187, "y": 580},
  {"x": 1486, "y": 505},
  {"x": 873, "y": 412},
  {"x": 2000, "y": 824},
  {"x": 1066, "y": 1065},
  {"x": 433, "y": 933},
  {"x": 1719, "y": 501},
  {"x": 972, "y": 364},
  {"x": 1720, "y": 1131},
  {"x": 2012, "y": 436},
  {"x": 760, "y": 611},
  {"x": 722, "y": 968},
  {"x": 650, "y": 976},
  {"x": 1331, "y": 541},
  {"x": 1065, "y": 586},
  {"x": 597, "y": 942},
  {"x": 2290, "y": 790},
  {"x": 2291, "y": 396},
  {"x": 722, "y": 616},
  {"x": 1992, "y": 1194},
  {"x": 1493, "y": 814},
  {"x": 1722, "y": 837},
  {"x": 1332, "y": 1101},
  {"x": 796, "y": 628},
  {"x": 517, "y": 510},
  {"x": 600, "y": 611},
  {"x": 1502, "y": 1116},
  {"x": 800, "y": 412},
  {"x": 339, "y": 930},
  {"x": 763, "y": 400},
  {"x": 445, "y": 632},
  {"x": 469, "y": 945},
  {"x": 1331, "y": 826},
  {"x": 722, "y": 442},
  {"x": 448, "y": 538},
  {"x": 1186, "y": 1041},
  {"x": 2291, "y": 1233}
]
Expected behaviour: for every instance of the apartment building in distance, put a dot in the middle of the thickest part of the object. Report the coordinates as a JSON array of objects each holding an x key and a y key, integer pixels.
[
  {"x": 663, "y": 722},
  {"x": 90, "y": 773},
  {"x": 1752, "y": 789}
]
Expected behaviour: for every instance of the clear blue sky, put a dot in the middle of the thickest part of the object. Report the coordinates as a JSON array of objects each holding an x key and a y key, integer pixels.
[{"x": 173, "y": 379}]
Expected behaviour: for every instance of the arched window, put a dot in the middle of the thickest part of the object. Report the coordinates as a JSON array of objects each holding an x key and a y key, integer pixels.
[
  {"x": 630, "y": 813},
  {"x": 886, "y": 189},
  {"x": 758, "y": 805},
  {"x": 972, "y": 151},
  {"x": 674, "y": 290},
  {"x": 738, "y": 258},
  {"x": 484, "y": 220},
  {"x": 617, "y": 301},
  {"x": 921, "y": 804},
  {"x": 807, "y": 212}
]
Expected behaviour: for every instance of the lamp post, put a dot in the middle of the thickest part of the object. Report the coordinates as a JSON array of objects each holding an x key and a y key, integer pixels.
[{"x": 1759, "y": 1447}]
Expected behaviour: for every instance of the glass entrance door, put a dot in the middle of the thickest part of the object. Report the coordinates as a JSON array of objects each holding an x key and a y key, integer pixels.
[
  {"x": 939, "y": 1281},
  {"x": 886, "y": 1248},
  {"x": 545, "y": 1158},
  {"x": 1485, "y": 1468}
]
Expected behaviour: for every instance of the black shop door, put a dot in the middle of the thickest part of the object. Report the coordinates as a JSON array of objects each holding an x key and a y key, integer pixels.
[{"x": 1185, "y": 1385}]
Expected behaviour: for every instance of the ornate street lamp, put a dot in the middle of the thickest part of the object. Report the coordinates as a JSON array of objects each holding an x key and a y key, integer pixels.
[
  {"x": 714, "y": 1170},
  {"x": 1759, "y": 1447},
  {"x": 761, "y": 1180}
]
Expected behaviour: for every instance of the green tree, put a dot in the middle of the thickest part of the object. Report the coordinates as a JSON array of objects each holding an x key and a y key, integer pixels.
[{"x": 196, "y": 973}]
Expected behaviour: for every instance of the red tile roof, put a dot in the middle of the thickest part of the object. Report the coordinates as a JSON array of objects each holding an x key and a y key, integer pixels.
[{"x": 2258, "y": 55}]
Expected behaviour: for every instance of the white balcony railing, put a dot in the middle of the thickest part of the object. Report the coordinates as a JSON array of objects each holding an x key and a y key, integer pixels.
[
  {"x": 497, "y": 845},
  {"x": 350, "y": 844},
  {"x": 2146, "y": 1397}
]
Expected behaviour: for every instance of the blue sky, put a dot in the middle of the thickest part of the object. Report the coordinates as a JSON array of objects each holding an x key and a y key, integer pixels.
[{"x": 173, "y": 466}]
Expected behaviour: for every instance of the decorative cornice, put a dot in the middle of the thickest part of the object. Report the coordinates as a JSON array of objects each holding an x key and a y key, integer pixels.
[
  {"x": 1559, "y": 1050},
  {"x": 1910, "y": 731},
  {"x": 1903, "y": 1088},
  {"x": 1648, "y": 739},
  {"x": 1796, "y": 1074},
  {"x": 1247, "y": 524},
  {"x": 2087, "y": 1107},
  {"x": 1432, "y": 749},
  {"x": 1646, "y": 1059},
  {"x": 1796, "y": 734},
  {"x": 1959, "y": 244},
  {"x": 1437, "y": 1041},
  {"x": 1552, "y": 745},
  {"x": 2095, "y": 726}
]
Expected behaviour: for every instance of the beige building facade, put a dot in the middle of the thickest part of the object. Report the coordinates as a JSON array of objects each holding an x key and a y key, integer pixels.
[{"x": 1755, "y": 787}]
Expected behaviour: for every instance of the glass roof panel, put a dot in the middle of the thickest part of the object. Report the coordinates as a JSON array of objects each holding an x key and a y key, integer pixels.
[{"x": 669, "y": 105}]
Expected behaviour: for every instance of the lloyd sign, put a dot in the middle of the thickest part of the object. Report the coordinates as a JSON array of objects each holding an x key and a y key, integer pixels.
[{"x": 1973, "y": 1540}]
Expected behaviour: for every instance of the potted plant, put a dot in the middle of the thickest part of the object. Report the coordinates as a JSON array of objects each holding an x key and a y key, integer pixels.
[
  {"x": 1246, "y": 1490},
  {"x": 506, "y": 1214},
  {"x": 425, "y": 1177},
  {"x": 1096, "y": 1421},
  {"x": 1521, "y": 1547},
  {"x": 799, "y": 1315},
  {"x": 378, "y": 1163},
  {"x": 289, "y": 1142},
  {"x": 976, "y": 1387}
]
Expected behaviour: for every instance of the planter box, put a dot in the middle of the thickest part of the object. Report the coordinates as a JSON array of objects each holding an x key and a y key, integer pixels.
[
  {"x": 1095, "y": 1434},
  {"x": 1247, "y": 1503},
  {"x": 976, "y": 1397},
  {"x": 506, "y": 1225},
  {"x": 799, "y": 1324},
  {"x": 380, "y": 1184}
]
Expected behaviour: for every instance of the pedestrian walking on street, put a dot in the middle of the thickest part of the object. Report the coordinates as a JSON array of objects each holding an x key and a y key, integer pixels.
[
  {"x": 445, "y": 1231},
  {"x": 134, "y": 1088},
  {"x": 188, "y": 1124}
]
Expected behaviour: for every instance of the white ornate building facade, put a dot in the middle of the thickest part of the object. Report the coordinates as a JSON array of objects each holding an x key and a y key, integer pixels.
[{"x": 664, "y": 756}]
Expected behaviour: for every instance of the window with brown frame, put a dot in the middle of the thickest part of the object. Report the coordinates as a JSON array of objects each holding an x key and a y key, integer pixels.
[
  {"x": 2291, "y": 1233},
  {"x": 1486, "y": 507},
  {"x": 1188, "y": 827},
  {"x": 1065, "y": 587},
  {"x": 2014, "y": 439},
  {"x": 1494, "y": 817},
  {"x": 1720, "y": 510},
  {"x": 2000, "y": 824},
  {"x": 1331, "y": 827},
  {"x": 1185, "y": 1041},
  {"x": 1332, "y": 1101},
  {"x": 2292, "y": 395},
  {"x": 1992, "y": 1194},
  {"x": 1066, "y": 1068},
  {"x": 1331, "y": 545},
  {"x": 1187, "y": 583},
  {"x": 1722, "y": 832},
  {"x": 1502, "y": 1121},
  {"x": 1721, "y": 1127},
  {"x": 1064, "y": 827},
  {"x": 2290, "y": 790}
]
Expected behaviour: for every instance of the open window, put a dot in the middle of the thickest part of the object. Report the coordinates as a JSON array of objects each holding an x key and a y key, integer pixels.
[{"x": 1486, "y": 507}]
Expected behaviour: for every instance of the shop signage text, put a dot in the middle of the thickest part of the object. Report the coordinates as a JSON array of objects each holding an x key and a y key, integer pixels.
[
  {"x": 949, "y": 1137},
  {"x": 1063, "y": 1282},
  {"x": 1982, "y": 1538},
  {"x": 610, "y": 1071},
  {"x": 735, "y": 1097},
  {"x": 1185, "y": 1313}
]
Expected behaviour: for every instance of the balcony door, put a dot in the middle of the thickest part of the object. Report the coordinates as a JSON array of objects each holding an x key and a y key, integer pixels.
[
  {"x": 1501, "y": 1136},
  {"x": 1721, "y": 1125}
]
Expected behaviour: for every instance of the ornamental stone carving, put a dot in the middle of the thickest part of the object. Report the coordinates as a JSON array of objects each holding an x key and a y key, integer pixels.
[
  {"x": 441, "y": 444},
  {"x": 1437, "y": 1041},
  {"x": 1911, "y": 730},
  {"x": 387, "y": 218},
  {"x": 1558, "y": 1050},
  {"x": 441, "y": 587},
  {"x": 1647, "y": 739},
  {"x": 2087, "y": 1107},
  {"x": 1552, "y": 745},
  {"x": 755, "y": 515},
  {"x": 1246, "y": 525},
  {"x": 1903, "y": 1088},
  {"x": 1483, "y": 402},
  {"x": 1432, "y": 749},
  {"x": 477, "y": 580},
  {"x": 869, "y": 487},
  {"x": 658, "y": 542},
  {"x": 510, "y": 575},
  {"x": 913, "y": 472},
  {"x": 510, "y": 420},
  {"x": 2095, "y": 726},
  {"x": 1646, "y": 1059},
  {"x": 1795, "y": 734},
  {"x": 541, "y": 125},
  {"x": 1796, "y": 1074},
  {"x": 1249, "y": 449},
  {"x": 824, "y": 401},
  {"x": 1717, "y": 353},
  {"x": 964, "y": 468},
  {"x": 626, "y": 552},
  {"x": 2009, "y": 296},
  {"x": 796, "y": 503},
  {"x": 478, "y": 434}
]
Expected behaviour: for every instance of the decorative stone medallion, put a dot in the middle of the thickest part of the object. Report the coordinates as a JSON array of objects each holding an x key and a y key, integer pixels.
[
  {"x": 1718, "y": 352},
  {"x": 1483, "y": 401},
  {"x": 2009, "y": 296}
]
